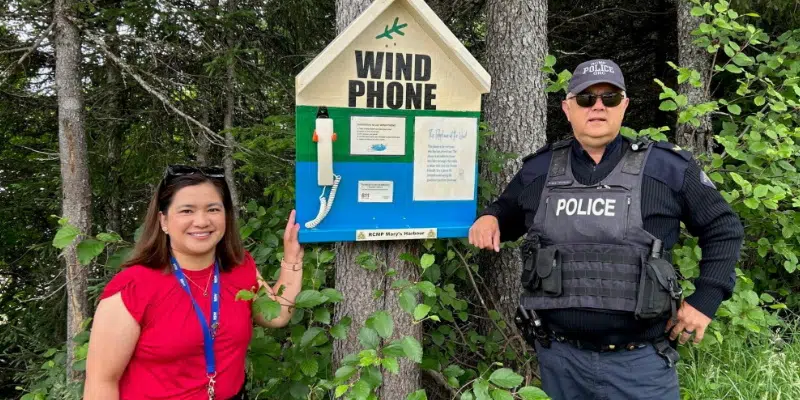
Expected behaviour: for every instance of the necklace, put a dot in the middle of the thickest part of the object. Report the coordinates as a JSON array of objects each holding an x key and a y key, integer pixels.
[{"x": 205, "y": 290}]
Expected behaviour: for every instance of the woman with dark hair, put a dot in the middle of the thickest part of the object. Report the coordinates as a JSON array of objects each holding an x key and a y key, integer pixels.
[{"x": 168, "y": 326}]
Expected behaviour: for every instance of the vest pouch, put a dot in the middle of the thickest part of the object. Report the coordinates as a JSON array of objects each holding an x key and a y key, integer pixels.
[
  {"x": 548, "y": 269},
  {"x": 529, "y": 249},
  {"x": 658, "y": 287}
]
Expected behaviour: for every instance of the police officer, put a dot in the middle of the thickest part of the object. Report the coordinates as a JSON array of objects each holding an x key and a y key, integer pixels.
[{"x": 600, "y": 214}]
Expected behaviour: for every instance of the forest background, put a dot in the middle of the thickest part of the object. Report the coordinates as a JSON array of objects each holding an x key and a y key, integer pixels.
[{"x": 98, "y": 96}]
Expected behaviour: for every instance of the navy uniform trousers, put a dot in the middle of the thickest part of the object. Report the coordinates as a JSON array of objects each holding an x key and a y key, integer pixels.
[{"x": 569, "y": 373}]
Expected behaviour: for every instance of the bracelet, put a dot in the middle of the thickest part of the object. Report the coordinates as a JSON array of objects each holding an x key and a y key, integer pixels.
[{"x": 292, "y": 266}]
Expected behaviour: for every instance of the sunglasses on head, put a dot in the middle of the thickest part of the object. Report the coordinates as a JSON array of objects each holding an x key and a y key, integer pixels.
[
  {"x": 174, "y": 171},
  {"x": 588, "y": 99}
]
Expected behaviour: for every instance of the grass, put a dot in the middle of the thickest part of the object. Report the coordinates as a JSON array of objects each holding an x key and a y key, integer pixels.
[{"x": 766, "y": 368}]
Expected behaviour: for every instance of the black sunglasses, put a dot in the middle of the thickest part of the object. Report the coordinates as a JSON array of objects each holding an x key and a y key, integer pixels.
[
  {"x": 588, "y": 99},
  {"x": 174, "y": 171}
]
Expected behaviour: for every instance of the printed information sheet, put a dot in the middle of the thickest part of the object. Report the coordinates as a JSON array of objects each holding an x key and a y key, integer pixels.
[
  {"x": 445, "y": 152},
  {"x": 375, "y": 191},
  {"x": 378, "y": 136}
]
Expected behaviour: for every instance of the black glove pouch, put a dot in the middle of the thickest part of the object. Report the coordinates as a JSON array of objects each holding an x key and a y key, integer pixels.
[
  {"x": 529, "y": 250},
  {"x": 548, "y": 269},
  {"x": 659, "y": 290}
]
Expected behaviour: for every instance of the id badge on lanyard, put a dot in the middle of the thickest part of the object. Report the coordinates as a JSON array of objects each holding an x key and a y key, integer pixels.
[{"x": 209, "y": 328}]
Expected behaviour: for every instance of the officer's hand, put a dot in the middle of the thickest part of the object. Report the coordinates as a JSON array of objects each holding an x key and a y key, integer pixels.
[
  {"x": 690, "y": 321},
  {"x": 485, "y": 233}
]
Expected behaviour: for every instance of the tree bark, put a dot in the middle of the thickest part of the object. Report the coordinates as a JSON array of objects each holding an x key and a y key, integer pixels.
[
  {"x": 358, "y": 285},
  {"x": 516, "y": 110},
  {"x": 698, "y": 139},
  {"x": 230, "y": 142},
  {"x": 114, "y": 129},
  {"x": 76, "y": 190},
  {"x": 203, "y": 145}
]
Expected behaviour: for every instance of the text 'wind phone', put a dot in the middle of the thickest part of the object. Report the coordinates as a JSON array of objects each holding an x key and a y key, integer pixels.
[{"x": 324, "y": 137}]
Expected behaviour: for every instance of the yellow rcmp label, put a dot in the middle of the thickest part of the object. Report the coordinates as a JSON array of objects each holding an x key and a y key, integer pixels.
[{"x": 395, "y": 234}]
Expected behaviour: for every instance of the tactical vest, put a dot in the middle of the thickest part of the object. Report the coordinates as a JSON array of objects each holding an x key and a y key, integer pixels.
[{"x": 587, "y": 247}]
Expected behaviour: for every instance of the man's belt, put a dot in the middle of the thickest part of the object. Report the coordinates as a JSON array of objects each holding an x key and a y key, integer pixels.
[{"x": 599, "y": 347}]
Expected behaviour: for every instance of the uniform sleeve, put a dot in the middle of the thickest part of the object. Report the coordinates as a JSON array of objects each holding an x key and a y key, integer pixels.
[
  {"x": 130, "y": 285},
  {"x": 508, "y": 211},
  {"x": 710, "y": 218}
]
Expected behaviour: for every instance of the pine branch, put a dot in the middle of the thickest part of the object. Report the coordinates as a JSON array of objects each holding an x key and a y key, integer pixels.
[
  {"x": 387, "y": 33},
  {"x": 36, "y": 43},
  {"x": 213, "y": 137}
]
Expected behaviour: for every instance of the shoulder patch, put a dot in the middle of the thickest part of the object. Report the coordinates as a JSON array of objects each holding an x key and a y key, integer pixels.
[
  {"x": 675, "y": 149},
  {"x": 705, "y": 180}
]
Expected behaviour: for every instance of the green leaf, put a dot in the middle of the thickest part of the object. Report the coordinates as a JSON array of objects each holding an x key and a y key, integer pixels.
[
  {"x": 760, "y": 191},
  {"x": 467, "y": 395},
  {"x": 421, "y": 311},
  {"x": 420, "y": 394},
  {"x": 309, "y": 299},
  {"x": 532, "y": 393},
  {"x": 81, "y": 338},
  {"x": 390, "y": 364},
  {"x": 550, "y": 60},
  {"x": 742, "y": 60},
  {"x": 751, "y": 203},
  {"x": 500, "y": 394},
  {"x": 361, "y": 390},
  {"x": 734, "y": 69},
  {"x": 333, "y": 295},
  {"x": 407, "y": 301},
  {"x": 111, "y": 237},
  {"x": 698, "y": 11},
  {"x": 309, "y": 366},
  {"x": 341, "y": 389},
  {"x": 427, "y": 288},
  {"x": 506, "y": 378},
  {"x": 323, "y": 316},
  {"x": 383, "y": 324},
  {"x": 412, "y": 348},
  {"x": 339, "y": 331},
  {"x": 427, "y": 260},
  {"x": 65, "y": 235},
  {"x": 368, "y": 338},
  {"x": 767, "y": 298},
  {"x": 268, "y": 308},
  {"x": 345, "y": 372},
  {"x": 89, "y": 249},
  {"x": 759, "y": 101},
  {"x": 734, "y": 109},
  {"x": 395, "y": 349},
  {"x": 310, "y": 335},
  {"x": 481, "y": 389},
  {"x": 668, "y": 105}
]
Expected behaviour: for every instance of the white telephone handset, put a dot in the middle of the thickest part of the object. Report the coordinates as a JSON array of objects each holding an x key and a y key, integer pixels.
[{"x": 324, "y": 136}]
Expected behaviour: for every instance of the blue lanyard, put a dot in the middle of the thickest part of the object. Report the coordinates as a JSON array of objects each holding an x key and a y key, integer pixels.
[{"x": 209, "y": 331}]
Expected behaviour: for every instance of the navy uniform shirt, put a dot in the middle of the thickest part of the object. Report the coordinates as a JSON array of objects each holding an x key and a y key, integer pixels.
[{"x": 674, "y": 190}]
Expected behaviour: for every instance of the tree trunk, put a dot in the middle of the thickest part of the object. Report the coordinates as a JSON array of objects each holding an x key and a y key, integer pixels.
[
  {"x": 698, "y": 139},
  {"x": 230, "y": 142},
  {"x": 358, "y": 285},
  {"x": 114, "y": 129},
  {"x": 76, "y": 191},
  {"x": 203, "y": 145},
  {"x": 516, "y": 110}
]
